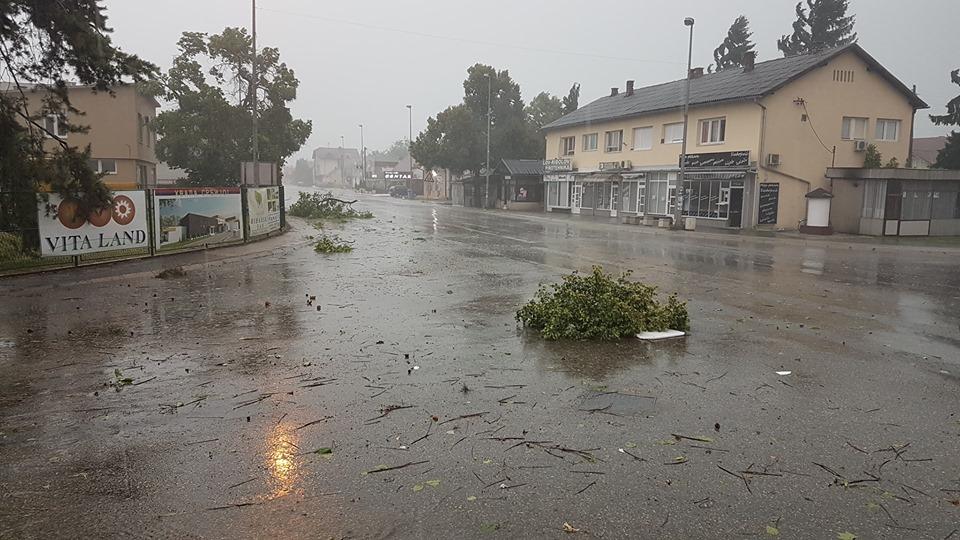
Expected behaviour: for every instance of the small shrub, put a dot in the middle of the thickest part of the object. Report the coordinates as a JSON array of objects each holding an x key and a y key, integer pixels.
[
  {"x": 600, "y": 306},
  {"x": 894, "y": 163},
  {"x": 324, "y": 206},
  {"x": 872, "y": 159},
  {"x": 332, "y": 244},
  {"x": 11, "y": 248}
]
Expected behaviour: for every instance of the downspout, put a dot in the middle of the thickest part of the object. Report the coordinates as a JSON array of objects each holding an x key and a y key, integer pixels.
[
  {"x": 761, "y": 166},
  {"x": 913, "y": 120}
]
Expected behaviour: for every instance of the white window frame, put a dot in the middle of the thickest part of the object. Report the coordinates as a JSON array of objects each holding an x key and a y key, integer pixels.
[
  {"x": 568, "y": 149},
  {"x": 637, "y": 138},
  {"x": 881, "y": 130},
  {"x": 57, "y": 121},
  {"x": 611, "y": 148},
  {"x": 666, "y": 129},
  {"x": 716, "y": 130},
  {"x": 595, "y": 137},
  {"x": 848, "y": 131},
  {"x": 99, "y": 166}
]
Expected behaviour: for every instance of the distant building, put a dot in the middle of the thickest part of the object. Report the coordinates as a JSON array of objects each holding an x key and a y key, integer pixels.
[
  {"x": 925, "y": 150},
  {"x": 121, "y": 132},
  {"x": 336, "y": 167},
  {"x": 169, "y": 176}
]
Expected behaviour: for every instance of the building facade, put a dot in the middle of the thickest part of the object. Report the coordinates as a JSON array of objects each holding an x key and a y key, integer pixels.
[
  {"x": 759, "y": 139},
  {"x": 336, "y": 167},
  {"x": 120, "y": 130}
]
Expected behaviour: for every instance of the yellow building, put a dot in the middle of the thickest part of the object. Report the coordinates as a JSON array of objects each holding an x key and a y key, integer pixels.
[
  {"x": 760, "y": 138},
  {"x": 120, "y": 130}
]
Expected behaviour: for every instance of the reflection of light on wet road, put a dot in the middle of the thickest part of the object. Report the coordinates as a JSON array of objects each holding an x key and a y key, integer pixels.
[
  {"x": 436, "y": 219},
  {"x": 811, "y": 267},
  {"x": 282, "y": 461}
]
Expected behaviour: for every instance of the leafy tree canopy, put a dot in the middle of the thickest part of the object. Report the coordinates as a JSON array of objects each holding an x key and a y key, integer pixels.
[
  {"x": 46, "y": 46},
  {"x": 823, "y": 24},
  {"x": 544, "y": 109},
  {"x": 952, "y": 118},
  {"x": 572, "y": 101},
  {"x": 395, "y": 152},
  {"x": 949, "y": 156},
  {"x": 735, "y": 46},
  {"x": 210, "y": 132}
]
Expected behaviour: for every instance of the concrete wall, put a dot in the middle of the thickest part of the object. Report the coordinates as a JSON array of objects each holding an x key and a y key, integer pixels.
[
  {"x": 871, "y": 227},
  {"x": 847, "y": 206},
  {"x": 945, "y": 227}
]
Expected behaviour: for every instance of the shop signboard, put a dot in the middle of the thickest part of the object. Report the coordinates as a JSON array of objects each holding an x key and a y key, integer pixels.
[
  {"x": 769, "y": 204},
  {"x": 186, "y": 218},
  {"x": 711, "y": 160},
  {"x": 397, "y": 175},
  {"x": 557, "y": 165},
  {"x": 263, "y": 210},
  {"x": 64, "y": 231}
]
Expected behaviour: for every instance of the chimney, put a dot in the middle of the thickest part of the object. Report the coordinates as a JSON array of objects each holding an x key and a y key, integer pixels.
[
  {"x": 614, "y": 91},
  {"x": 748, "y": 60},
  {"x": 696, "y": 73},
  {"x": 629, "y": 88}
]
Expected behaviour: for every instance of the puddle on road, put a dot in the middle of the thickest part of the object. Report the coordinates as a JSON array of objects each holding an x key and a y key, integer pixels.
[{"x": 619, "y": 404}]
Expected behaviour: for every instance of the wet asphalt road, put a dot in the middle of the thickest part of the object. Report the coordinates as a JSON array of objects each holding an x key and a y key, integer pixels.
[{"x": 446, "y": 421}]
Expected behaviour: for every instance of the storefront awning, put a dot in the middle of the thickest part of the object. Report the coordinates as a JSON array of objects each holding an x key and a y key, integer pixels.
[{"x": 714, "y": 175}]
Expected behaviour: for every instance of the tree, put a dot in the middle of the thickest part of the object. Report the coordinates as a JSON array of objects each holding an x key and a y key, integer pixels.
[
  {"x": 544, "y": 109},
  {"x": 210, "y": 132},
  {"x": 735, "y": 46},
  {"x": 42, "y": 44},
  {"x": 824, "y": 24},
  {"x": 872, "y": 159},
  {"x": 395, "y": 152},
  {"x": 949, "y": 156},
  {"x": 453, "y": 140},
  {"x": 572, "y": 101},
  {"x": 303, "y": 172}
]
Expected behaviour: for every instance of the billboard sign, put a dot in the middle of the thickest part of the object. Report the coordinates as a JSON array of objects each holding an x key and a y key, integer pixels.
[
  {"x": 186, "y": 218},
  {"x": 557, "y": 165},
  {"x": 63, "y": 231},
  {"x": 263, "y": 210}
]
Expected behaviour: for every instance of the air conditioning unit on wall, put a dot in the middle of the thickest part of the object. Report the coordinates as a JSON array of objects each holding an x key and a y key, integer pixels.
[
  {"x": 859, "y": 146},
  {"x": 773, "y": 160}
]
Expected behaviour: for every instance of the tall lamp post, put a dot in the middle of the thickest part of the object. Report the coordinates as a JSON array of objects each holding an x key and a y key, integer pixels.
[
  {"x": 486, "y": 191},
  {"x": 253, "y": 92},
  {"x": 678, "y": 204},
  {"x": 363, "y": 158},
  {"x": 410, "y": 148}
]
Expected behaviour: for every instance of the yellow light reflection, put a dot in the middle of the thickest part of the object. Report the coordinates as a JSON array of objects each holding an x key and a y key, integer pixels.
[{"x": 282, "y": 450}]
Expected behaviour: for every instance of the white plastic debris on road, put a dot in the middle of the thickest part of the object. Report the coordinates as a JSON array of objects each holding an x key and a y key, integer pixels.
[
  {"x": 657, "y": 336},
  {"x": 784, "y": 372}
]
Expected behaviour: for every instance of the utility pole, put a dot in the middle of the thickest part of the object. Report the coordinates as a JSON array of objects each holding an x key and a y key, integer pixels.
[
  {"x": 410, "y": 149},
  {"x": 363, "y": 158},
  {"x": 256, "y": 105},
  {"x": 678, "y": 204},
  {"x": 486, "y": 191}
]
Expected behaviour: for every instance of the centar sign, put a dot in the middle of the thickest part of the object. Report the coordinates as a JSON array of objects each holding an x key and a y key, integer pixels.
[{"x": 64, "y": 231}]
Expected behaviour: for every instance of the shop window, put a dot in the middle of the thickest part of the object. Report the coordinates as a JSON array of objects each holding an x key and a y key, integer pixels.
[
  {"x": 641, "y": 197},
  {"x": 713, "y": 131},
  {"x": 917, "y": 201},
  {"x": 613, "y": 141},
  {"x": 854, "y": 129},
  {"x": 589, "y": 196},
  {"x": 874, "y": 199},
  {"x": 630, "y": 196},
  {"x": 603, "y": 196},
  {"x": 707, "y": 199},
  {"x": 590, "y": 142},
  {"x": 887, "y": 130},
  {"x": 567, "y": 145},
  {"x": 946, "y": 201}
]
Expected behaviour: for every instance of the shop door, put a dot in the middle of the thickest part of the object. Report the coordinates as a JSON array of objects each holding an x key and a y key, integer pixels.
[
  {"x": 736, "y": 207},
  {"x": 892, "y": 208},
  {"x": 576, "y": 196},
  {"x": 614, "y": 199}
]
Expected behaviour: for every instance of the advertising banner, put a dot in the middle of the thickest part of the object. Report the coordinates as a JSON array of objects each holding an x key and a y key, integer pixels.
[
  {"x": 63, "y": 231},
  {"x": 263, "y": 210},
  {"x": 188, "y": 218}
]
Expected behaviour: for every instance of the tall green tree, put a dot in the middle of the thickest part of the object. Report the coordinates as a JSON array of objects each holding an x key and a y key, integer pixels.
[
  {"x": 210, "y": 132},
  {"x": 544, "y": 109},
  {"x": 949, "y": 156},
  {"x": 395, "y": 152},
  {"x": 735, "y": 46},
  {"x": 823, "y": 24},
  {"x": 452, "y": 140},
  {"x": 43, "y": 46},
  {"x": 572, "y": 101}
]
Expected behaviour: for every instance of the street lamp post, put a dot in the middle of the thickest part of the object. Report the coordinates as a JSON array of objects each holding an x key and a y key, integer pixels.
[
  {"x": 678, "y": 199},
  {"x": 253, "y": 93},
  {"x": 486, "y": 190},
  {"x": 410, "y": 148},
  {"x": 363, "y": 158}
]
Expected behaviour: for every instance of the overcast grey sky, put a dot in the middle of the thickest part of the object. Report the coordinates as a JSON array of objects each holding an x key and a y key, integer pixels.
[{"x": 364, "y": 61}]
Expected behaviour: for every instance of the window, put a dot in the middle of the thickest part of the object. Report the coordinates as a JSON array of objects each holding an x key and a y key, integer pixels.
[
  {"x": 643, "y": 138},
  {"x": 854, "y": 129},
  {"x": 673, "y": 133},
  {"x": 887, "y": 130},
  {"x": 641, "y": 197},
  {"x": 139, "y": 128},
  {"x": 590, "y": 142},
  {"x": 713, "y": 131},
  {"x": 142, "y": 174},
  {"x": 874, "y": 199},
  {"x": 147, "y": 128},
  {"x": 660, "y": 193},
  {"x": 613, "y": 141},
  {"x": 707, "y": 199},
  {"x": 56, "y": 126},
  {"x": 103, "y": 166},
  {"x": 567, "y": 145}
]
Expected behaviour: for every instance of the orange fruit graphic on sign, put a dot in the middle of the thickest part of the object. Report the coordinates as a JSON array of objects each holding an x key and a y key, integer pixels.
[
  {"x": 99, "y": 218},
  {"x": 69, "y": 214}
]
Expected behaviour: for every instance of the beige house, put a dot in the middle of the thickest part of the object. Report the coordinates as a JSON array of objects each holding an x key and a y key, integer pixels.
[
  {"x": 121, "y": 134},
  {"x": 760, "y": 139}
]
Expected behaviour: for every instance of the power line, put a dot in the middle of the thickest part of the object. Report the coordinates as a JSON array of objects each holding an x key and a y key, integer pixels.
[{"x": 466, "y": 40}]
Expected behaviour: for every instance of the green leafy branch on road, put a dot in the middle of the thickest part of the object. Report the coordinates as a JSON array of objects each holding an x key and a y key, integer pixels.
[
  {"x": 600, "y": 306},
  {"x": 325, "y": 206},
  {"x": 332, "y": 244}
]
